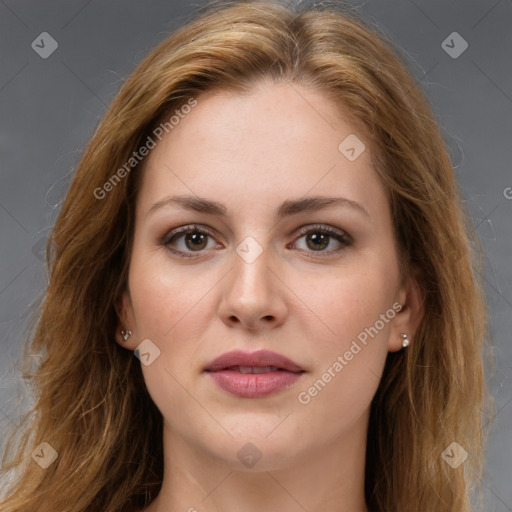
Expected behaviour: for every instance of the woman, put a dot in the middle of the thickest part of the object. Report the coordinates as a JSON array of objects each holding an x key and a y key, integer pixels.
[{"x": 268, "y": 220}]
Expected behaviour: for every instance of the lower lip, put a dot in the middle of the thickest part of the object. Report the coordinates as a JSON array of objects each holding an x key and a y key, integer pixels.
[{"x": 254, "y": 385}]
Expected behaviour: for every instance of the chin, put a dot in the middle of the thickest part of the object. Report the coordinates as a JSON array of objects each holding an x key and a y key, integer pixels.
[{"x": 257, "y": 447}]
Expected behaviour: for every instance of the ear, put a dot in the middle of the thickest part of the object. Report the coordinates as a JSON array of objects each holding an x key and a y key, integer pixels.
[
  {"x": 126, "y": 321},
  {"x": 408, "y": 319}
]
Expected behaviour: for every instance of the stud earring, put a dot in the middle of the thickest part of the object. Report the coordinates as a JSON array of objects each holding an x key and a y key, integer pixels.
[
  {"x": 125, "y": 334},
  {"x": 405, "y": 341}
]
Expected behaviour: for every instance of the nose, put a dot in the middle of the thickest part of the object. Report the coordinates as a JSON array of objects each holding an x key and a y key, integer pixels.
[{"x": 253, "y": 295}]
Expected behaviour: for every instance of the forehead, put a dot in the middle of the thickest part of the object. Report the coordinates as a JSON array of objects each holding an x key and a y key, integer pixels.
[
  {"x": 279, "y": 139},
  {"x": 249, "y": 121}
]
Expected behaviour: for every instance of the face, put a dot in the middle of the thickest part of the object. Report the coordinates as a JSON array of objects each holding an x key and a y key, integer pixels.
[{"x": 263, "y": 269}]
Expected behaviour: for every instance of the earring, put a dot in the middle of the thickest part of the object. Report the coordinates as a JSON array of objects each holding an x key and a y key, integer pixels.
[
  {"x": 125, "y": 334},
  {"x": 405, "y": 341}
]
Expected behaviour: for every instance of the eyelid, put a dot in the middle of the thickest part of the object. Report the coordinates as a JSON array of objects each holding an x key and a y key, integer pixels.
[
  {"x": 189, "y": 228},
  {"x": 325, "y": 228}
]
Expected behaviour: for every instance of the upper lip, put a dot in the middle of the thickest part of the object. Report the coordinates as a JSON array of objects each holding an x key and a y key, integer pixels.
[{"x": 260, "y": 358}]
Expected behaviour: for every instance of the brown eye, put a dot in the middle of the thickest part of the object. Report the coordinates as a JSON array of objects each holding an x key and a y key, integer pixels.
[
  {"x": 196, "y": 241},
  {"x": 317, "y": 241},
  {"x": 318, "y": 238},
  {"x": 187, "y": 240}
]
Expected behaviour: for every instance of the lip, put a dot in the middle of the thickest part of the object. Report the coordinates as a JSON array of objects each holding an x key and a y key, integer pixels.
[
  {"x": 253, "y": 385},
  {"x": 259, "y": 358}
]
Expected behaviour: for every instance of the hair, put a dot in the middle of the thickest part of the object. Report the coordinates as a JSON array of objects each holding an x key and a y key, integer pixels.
[{"x": 91, "y": 403}]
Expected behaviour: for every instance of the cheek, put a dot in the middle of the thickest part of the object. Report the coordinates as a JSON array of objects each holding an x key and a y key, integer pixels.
[
  {"x": 163, "y": 300},
  {"x": 352, "y": 299},
  {"x": 356, "y": 313},
  {"x": 170, "y": 310}
]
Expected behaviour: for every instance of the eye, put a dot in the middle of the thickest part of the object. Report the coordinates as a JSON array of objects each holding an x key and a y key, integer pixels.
[
  {"x": 187, "y": 239},
  {"x": 319, "y": 237}
]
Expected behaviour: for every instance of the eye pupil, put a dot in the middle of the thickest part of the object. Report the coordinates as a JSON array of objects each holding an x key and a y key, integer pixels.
[
  {"x": 198, "y": 240},
  {"x": 318, "y": 238}
]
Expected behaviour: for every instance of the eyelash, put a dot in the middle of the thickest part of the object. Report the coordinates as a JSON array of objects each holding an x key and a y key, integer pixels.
[{"x": 344, "y": 239}]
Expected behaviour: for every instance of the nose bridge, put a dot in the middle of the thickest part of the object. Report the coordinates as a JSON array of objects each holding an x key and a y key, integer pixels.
[
  {"x": 251, "y": 281},
  {"x": 251, "y": 273},
  {"x": 253, "y": 293}
]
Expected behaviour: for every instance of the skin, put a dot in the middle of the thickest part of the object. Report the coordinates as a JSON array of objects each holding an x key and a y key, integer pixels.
[{"x": 251, "y": 153}]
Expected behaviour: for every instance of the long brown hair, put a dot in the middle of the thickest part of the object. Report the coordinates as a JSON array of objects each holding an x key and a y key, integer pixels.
[{"x": 91, "y": 403}]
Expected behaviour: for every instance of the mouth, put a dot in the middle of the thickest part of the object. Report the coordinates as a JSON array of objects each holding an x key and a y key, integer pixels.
[
  {"x": 245, "y": 361},
  {"x": 253, "y": 375},
  {"x": 254, "y": 369}
]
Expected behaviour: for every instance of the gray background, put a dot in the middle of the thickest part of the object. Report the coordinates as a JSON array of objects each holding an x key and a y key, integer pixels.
[{"x": 50, "y": 107}]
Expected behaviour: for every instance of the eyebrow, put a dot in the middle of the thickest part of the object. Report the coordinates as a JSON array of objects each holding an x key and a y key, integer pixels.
[{"x": 287, "y": 208}]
